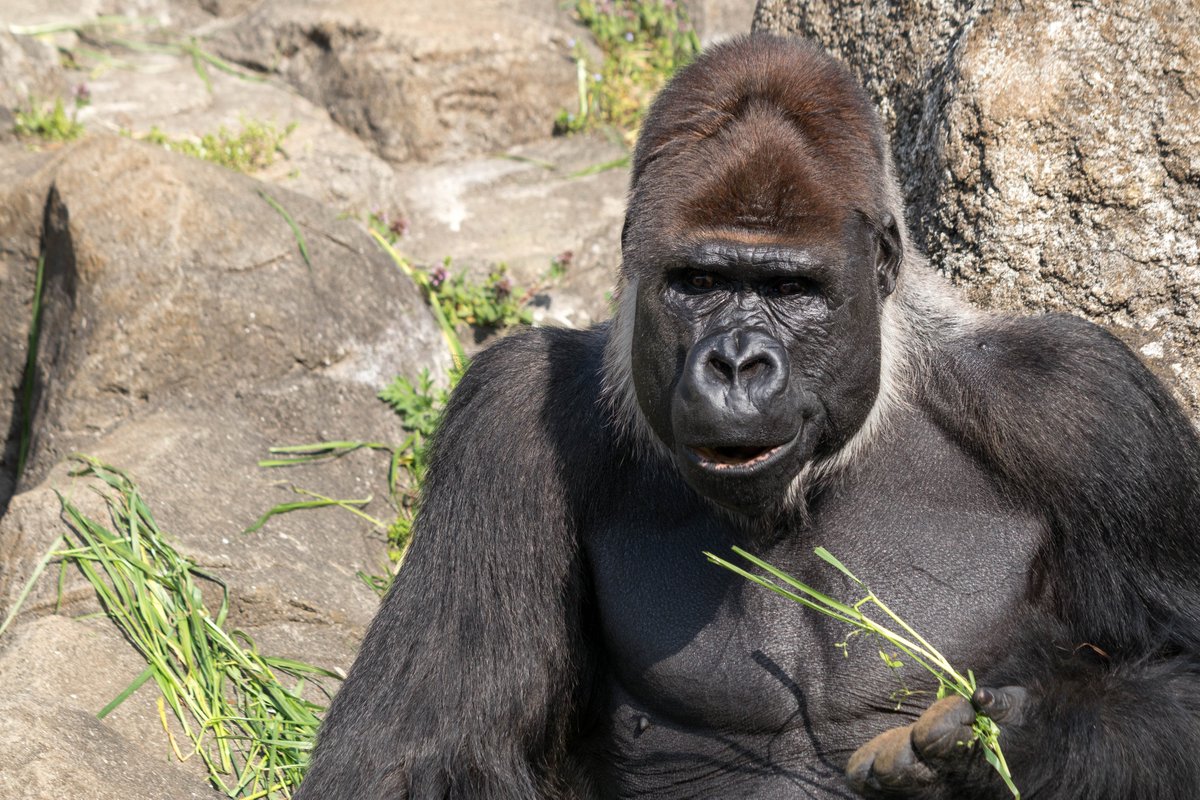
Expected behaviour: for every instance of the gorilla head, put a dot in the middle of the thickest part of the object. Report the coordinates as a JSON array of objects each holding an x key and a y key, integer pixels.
[{"x": 760, "y": 244}]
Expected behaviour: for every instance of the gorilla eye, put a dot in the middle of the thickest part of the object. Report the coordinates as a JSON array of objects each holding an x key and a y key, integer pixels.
[
  {"x": 701, "y": 280},
  {"x": 793, "y": 286}
]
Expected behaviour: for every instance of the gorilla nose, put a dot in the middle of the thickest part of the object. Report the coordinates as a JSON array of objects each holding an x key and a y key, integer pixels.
[{"x": 740, "y": 366}]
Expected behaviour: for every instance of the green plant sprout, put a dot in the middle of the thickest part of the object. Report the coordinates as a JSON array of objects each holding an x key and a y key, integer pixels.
[
  {"x": 903, "y": 638},
  {"x": 49, "y": 124},
  {"x": 249, "y": 149},
  {"x": 490, "y": 304},
  {"x": 643, "y": 43}
]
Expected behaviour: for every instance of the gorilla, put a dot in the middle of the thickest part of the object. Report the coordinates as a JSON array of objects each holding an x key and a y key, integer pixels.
[{"x": 785, "y": 371}]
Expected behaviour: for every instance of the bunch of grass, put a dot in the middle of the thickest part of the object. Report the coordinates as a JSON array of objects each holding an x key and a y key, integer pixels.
[
  {"x": 252, "y": 732},
  {"x": 901, "y": 636}
]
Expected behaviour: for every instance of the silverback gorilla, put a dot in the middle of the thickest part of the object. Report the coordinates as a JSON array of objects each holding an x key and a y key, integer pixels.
[{"x": 784, "y": 371}]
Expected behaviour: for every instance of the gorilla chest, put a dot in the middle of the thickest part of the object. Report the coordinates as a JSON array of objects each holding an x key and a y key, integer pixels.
[{"x": 697, "y": 653}]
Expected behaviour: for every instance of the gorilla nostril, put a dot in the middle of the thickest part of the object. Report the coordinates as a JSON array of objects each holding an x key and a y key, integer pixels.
[
  {"x": 722, "y": 367},
  {"x": 754, "y": 367}
]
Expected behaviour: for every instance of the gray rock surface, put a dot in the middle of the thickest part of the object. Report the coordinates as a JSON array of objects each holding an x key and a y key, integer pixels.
[
  {"x": 30, "y": 69},
  {"x": 418, "y": 80},
  {"x": 181, "y": 356},
  {"x": 720, "y": 19},
  {"x": 1048, "y": 150},
  {"x": 57, "y": 673},
  {"x": 524, "y": 209},
  {"x": 20, "y": 231}
]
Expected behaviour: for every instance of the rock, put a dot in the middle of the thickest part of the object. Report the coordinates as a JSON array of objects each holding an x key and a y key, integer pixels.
[
  {"x": 30, "y": 69},
  {"x": 419, "y": 80},
  {"x": 163, "y": 90},
  {"x": 479, "y": 213},
  {"x": 181, "y": 356},
  {"x": 1048, "y": 152},
  {"x": 716, "y": 20},
  {"x": 52, "y": 745},
  {"x": 20, "y": 231},
  {"x": 24, "y": 14}
]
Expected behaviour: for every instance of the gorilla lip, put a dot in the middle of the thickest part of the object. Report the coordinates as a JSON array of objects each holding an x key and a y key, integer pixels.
[{"x": 733, "y": 457}]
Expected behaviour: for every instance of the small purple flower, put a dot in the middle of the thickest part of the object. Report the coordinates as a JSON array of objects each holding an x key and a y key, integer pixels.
[
  {"x": 83, "y": 95},
  {"x": 437, "y": 277},
  {"x": 596, "y": 77},
  {"x": 565, "y": 257},
  {"x": 502, "y": 288},
  {"x": 629, "y": 36},
  {"x": 571, "y": 43},
  {"x": 399, "y": 226}
]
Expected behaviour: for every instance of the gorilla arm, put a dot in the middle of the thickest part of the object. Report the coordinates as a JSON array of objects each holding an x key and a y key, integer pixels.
[
  {"x": 1099, "y": 696},
  {"x": 464, "y": 683}
]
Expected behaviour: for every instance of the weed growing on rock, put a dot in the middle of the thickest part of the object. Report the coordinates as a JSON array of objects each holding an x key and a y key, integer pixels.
[
  {"x": 491, "y": 304},
  {"x": 390, "y": 226},
  {"x": 50, "y": 124},
  {"x": 643, "y": 43},
  {"x": 252, "y": 148},
  {"x": 893, "y": 630},
  {"x": 252, "y": 731}
]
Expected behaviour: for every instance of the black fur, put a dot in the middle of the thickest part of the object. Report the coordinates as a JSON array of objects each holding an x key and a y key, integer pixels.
[{"x": 1022, "y": 490}]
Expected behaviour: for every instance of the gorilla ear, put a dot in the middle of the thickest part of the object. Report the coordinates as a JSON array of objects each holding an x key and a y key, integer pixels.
[{"x": 888, "y": 253}]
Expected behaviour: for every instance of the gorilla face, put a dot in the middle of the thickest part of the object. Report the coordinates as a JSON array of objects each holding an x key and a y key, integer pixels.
[
  {"x": 753, "y": 355},
  {"x": 761, "y": 243}
]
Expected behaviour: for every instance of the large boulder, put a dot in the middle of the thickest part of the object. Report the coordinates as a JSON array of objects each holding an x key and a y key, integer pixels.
[
  {"x": 1048, "y": 152},
  {"x": 182, "y": 335}
]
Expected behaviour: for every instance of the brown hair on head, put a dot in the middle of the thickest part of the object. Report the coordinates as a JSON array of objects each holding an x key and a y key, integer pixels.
[{"x": 760, "y": 133}]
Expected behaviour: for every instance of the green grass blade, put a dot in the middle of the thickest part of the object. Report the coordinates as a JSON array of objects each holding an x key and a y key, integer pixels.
[
  {"x": 449, "y": 334},
  {"x": 136, "y": 684},
  {"x": 829, "y": 558},
  {"x": 820, "y": 597},
  {"x": 28, "y": 587},
  {"x": 779, "y": 590},
  {"x": 296, "y": 234},
  {"x": 595, "y": 169}
]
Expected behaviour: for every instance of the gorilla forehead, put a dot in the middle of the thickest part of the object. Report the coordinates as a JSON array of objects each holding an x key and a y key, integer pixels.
[{"x": 761, "y": 133}]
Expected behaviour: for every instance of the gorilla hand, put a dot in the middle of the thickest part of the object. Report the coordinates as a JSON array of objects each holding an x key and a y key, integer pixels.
[{"x": 912, "y": 761}]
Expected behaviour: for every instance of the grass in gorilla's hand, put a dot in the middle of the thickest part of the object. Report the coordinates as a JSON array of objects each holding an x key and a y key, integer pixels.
[{"x": 901, "y": 636}]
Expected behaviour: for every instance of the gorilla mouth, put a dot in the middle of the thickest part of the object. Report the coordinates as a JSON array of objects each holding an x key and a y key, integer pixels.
[{"x": 736, "y": 456}]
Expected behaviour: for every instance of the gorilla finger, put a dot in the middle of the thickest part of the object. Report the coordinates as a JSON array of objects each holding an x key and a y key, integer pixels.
[
  {"x": 944, "y": 729},
  {"x": 1003, "y": 705},
  {"x": 887, "y": 765}
]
